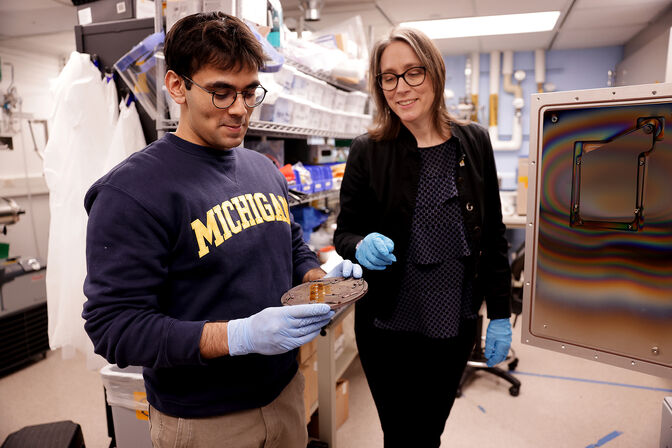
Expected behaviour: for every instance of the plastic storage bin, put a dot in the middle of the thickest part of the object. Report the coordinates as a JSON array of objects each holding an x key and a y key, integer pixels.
[
  {"x": 137, "y": 69},
  {"x": 130, "y": 411},
  {"x": 355, "y": 102}
]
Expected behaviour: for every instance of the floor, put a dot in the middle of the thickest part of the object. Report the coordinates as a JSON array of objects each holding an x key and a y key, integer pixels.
[{"x": 563, "y": 402}]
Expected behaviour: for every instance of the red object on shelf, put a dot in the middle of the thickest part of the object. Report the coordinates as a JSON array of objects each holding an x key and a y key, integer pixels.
[{"x": 288, "y": 172}]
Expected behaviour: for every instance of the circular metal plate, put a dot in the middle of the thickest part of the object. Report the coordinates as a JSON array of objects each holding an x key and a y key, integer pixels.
[{"x": 334, "y": 291}]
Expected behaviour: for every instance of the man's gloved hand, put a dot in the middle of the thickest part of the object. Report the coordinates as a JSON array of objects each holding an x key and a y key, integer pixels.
[
  {"x": 375, "y": 252},
  {"x": 277, "y": 330},
  {"x": 497, "y": 341},
  {"x": 345, "y": 268}
]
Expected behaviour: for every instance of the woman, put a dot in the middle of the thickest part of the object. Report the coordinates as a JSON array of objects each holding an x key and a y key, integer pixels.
[{"x": 420, "y": 210}]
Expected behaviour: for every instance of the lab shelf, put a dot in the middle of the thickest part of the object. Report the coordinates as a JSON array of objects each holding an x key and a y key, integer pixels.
[
  {"x": 270, "y": 129},
  {"x": 344, "y": 360},
  {"x": 329, "y": 370},
  {"x": 287, "y": 130},
  {"x": 324, "y": 76},
  {"x": 514, "y": 221},
  {"x": 313, "y": 197}
]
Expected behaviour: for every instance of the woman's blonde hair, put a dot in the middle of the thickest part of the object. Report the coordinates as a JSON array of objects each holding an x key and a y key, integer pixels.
[{"x": 386, "y": 124}]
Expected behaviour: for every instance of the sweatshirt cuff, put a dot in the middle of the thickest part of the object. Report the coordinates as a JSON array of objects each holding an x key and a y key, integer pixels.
[
  {"x": 303, "y": 267},
  {"x": 183, "y": 343}
]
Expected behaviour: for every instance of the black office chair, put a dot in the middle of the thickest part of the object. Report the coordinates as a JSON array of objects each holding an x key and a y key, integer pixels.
[{"x": 477, "y": 359}]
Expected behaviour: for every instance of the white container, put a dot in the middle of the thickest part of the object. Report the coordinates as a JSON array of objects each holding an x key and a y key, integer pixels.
[
  {"x": 339, "y": 100},
  {"x": 316, "y": 114},
  {"x": 285, "y": 77},
  {"x": 280, "y": 111},
  {"x": 125, "y": 392},
  {"x": 328, "y": 95},
  {"x": 356, "y": 102},
  {"x": 301, "y": 85},
  {"x": 301, "y": 114},
  {"x": 326, "y": 120},
  {"x": 177, "y": 9},
  {"x": 315, "y": 91},
  {"x": 339, "y": 123}
]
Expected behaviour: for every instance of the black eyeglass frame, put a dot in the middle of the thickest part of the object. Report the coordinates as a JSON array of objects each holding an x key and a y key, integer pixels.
[
  {"x": 379, "y": 77},
  {"x": 235, "y": 97}
]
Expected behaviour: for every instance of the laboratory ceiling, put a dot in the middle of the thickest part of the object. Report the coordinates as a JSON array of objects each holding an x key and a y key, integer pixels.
[{"x": 582, "y": 23}]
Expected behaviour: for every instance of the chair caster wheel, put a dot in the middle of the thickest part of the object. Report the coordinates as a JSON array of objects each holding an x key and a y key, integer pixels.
[
  {"x": 513, "y": 364},
  {"x": 514, "y": 391}
]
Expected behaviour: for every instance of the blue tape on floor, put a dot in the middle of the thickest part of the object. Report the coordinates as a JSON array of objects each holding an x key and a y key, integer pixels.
[
  {"x": 481, "y": 408},
  {"x": 605, "y": 439},
  {"x": 584, "y": 380}
]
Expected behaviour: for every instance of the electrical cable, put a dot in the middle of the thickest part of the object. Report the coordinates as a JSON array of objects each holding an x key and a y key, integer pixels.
[
  {"x": 30, "y": 197},
  {"x": 32, "y": 134}
]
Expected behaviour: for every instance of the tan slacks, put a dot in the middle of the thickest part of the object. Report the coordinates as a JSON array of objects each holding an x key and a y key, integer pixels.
[{"x": 280, "y": 424}]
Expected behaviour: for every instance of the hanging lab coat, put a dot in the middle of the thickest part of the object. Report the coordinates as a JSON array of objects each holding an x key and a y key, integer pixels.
[
  {"x": 127, "y": 137},
  {"x": 111, "y": 99},
  {"x": 77, "y": 154}
]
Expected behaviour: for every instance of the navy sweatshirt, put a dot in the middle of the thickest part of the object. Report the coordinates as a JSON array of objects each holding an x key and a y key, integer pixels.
[{"x": 178, "y": 235}]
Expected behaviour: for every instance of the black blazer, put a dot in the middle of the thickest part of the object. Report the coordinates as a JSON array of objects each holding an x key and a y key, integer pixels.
[{"x": 378, "y": 195}]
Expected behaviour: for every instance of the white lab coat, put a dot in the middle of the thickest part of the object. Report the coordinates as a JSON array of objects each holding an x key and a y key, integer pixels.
[
  {"x": 79, "y": 151},
  {"x": 127, "y": 137}
]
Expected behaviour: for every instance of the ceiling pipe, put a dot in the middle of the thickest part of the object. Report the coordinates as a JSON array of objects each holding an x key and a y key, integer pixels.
[
  {"x": 517, "y": 134},
  {"x": 475, "y": 80},
  {"x": 509, "y": 86},
  {"x": 494, "y": 86},
  {"x": 540, "y": 69}
]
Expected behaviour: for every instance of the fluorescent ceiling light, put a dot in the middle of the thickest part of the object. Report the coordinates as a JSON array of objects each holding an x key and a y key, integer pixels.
[{"x": 487, "y": 25}]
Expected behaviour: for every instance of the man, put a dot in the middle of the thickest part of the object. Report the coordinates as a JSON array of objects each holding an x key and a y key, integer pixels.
[{"x": 190, "y": 245}]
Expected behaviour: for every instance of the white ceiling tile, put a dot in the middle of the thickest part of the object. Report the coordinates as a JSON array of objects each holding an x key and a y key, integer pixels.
[
  {"x": 613, "y": 3},
  {"x": 498, "y": 7},
  {"x": 403, "y": 10},
  {"x": 613, "y": 16},
  {"x": 457, "y": 46},
  {"x": 596, "y": 37},
  {"x": 520, "y": 42}
]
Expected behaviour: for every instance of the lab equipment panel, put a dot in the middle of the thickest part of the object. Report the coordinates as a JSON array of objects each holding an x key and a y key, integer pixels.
[{"x": 598, "y": 275}]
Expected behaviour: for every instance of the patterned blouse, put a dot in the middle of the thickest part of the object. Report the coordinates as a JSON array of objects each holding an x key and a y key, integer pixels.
[{"x": 434, "y": 296}]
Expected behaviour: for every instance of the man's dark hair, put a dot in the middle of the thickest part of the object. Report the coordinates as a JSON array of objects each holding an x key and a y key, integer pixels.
[{"x": 213, "y": 38}]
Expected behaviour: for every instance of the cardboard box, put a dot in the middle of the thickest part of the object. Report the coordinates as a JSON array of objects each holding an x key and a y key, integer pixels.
[
  {"x": 341, "y": 409},
  {"x": 339, "y": 340},
  {"x": 521, "y": 199},
  {"x": 309, "y": 371},
  {"x": 105, "y": 11},
  {"x": 306, "y": 351}
]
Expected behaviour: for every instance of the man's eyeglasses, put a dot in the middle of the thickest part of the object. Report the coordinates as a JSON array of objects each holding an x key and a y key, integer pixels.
[
  {"x": 413, "y": 76},
  {"x": 225, "y": 97}
]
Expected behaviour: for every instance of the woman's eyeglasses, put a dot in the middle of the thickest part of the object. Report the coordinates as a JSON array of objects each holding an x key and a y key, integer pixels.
[{"x": 413, "y": 76}]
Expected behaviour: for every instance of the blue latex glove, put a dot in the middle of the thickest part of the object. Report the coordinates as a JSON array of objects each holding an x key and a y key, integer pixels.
[
  {"x": 277, "y": 330},
  {"x": 497, "y": 341},
  {"x": 345, "y": 268},
  {"x": 375, "y": 252}
]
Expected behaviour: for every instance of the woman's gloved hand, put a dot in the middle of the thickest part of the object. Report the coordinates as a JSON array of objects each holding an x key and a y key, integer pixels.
[
  {"x": 497, "y": 341},
  {"x": 345, "y": 268},
  {"x": 277, "y": 330},
  {"x": 375, "y": 252}
]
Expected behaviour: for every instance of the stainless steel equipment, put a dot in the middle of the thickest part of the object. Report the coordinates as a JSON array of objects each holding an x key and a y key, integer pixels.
[
  {"x": 23, "y": 302},
  {"x": 9, "y": 211}
]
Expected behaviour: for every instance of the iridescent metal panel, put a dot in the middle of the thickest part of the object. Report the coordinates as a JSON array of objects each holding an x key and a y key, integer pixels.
[{"x": 601, "y": 267}]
